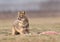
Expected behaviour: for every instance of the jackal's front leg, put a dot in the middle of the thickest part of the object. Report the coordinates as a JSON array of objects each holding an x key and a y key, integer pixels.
[{"x": 13, "y": 31}]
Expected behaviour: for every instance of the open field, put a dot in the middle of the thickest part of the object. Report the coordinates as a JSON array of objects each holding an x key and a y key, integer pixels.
[
  {"x": 36, "y": 25},
  {"x": 39, "y": 22}
]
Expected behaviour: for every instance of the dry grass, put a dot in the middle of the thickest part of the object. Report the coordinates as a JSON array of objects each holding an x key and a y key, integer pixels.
[{"x": 36, "y": 25}]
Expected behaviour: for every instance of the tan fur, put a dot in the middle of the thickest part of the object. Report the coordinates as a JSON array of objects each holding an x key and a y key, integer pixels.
[{"x": 21, "y": 25}]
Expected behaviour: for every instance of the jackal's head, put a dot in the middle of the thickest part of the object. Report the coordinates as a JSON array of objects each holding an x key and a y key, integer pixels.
[{"x": 21, "y": 14}]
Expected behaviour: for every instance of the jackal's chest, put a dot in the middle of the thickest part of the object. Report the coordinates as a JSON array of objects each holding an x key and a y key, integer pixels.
[{"x": 21, "y": 22}]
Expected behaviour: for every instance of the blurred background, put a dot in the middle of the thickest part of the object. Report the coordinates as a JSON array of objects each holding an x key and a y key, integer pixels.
[
  {"x": 30, "y": 5},
  {"x": 33, "y": 8}
]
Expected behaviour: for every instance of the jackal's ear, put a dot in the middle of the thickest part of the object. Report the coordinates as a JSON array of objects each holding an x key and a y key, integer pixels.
[{"x": 18, "y": 13}]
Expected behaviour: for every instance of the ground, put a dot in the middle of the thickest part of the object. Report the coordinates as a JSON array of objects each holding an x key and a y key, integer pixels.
[{"x": 38, "y": 24}]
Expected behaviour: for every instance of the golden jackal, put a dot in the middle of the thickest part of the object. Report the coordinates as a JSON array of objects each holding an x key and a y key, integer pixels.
[{"x": 21, "y": 25}]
